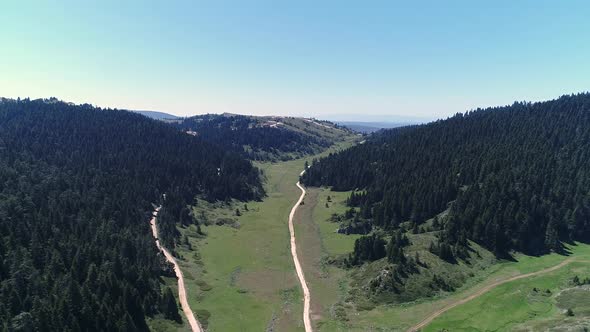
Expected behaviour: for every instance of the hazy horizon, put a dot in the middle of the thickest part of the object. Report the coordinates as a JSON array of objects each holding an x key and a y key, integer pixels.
[
  {"x": 353, "y": 117},
  {"x": 388, "y": 60}
]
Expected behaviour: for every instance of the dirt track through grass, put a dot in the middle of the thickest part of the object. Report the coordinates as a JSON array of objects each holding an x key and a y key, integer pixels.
[
  {"x": 298, "y": 268},
  {"x": 484, "y": 290},
  {"x": 194, "y": 324}
]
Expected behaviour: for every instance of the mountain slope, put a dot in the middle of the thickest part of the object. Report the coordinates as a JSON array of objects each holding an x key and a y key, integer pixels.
[
  {"x": 264, "y": 138},
  {"x": 518, "y": 176},
  {"x": 77, "y": 184}
]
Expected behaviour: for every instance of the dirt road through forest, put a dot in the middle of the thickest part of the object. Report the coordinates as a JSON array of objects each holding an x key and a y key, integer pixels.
[{"x": 194, "y": 324}]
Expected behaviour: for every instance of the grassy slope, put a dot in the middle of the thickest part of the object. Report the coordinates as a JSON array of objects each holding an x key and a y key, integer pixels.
[
  {"x": 515, "y": 305},
  {"x": 243, "y": 279},
  {"x": 401, "y": 317},
  {"x": 307, "y": 127}
]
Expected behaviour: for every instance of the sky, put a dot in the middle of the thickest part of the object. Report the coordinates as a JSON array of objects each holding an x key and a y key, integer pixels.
[{"x": 339, "y": 60}]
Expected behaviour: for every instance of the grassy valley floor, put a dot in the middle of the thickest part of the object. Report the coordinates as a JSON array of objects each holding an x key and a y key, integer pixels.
[
  {"x": 240, "y": 276},
  {"x": 318, "y": 242}
]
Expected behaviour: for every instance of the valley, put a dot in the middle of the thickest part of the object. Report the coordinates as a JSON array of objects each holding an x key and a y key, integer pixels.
[
  {"x": 266, "y": 253},
  {"x": 242, "y": 264},
  {"x": 243, "y": 277},
  {"x": 332, "y": 307},
  {"x": 295, "y": 166}
]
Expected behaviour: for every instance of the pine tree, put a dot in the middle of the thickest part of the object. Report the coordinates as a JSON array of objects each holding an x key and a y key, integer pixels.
[
  {"x": 552, "y": 237},
  {"x": 169, "y": 306}
]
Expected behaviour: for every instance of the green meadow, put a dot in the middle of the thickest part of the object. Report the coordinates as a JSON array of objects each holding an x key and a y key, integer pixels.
[
  {"x": 537, "y": 303},
  {"x": 317, "y": 244},
  {"x": 240, "y": 275}
]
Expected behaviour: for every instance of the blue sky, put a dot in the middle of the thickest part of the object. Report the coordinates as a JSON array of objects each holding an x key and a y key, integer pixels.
[{"x": 373, "y": 60}]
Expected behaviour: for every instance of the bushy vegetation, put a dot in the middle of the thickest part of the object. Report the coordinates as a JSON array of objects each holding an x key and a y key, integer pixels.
[
  {"x": 367, "y": 248},
  {"x": 77, "y": 184},
  {"x": 580, "y": 282}
]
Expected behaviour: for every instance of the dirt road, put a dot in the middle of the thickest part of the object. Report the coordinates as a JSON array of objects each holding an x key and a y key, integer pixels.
[
  {"x": 482, "y": 291},
  {"x": 194, "y": 324},
  {"x": 306, "y": 295}
]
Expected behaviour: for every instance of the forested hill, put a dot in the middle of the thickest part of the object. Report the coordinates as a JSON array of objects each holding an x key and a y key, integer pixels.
[
  {"x": 518, "y": 176},
  {"x": 77, "y": 184},
  {"x": 264, "y": 138}
]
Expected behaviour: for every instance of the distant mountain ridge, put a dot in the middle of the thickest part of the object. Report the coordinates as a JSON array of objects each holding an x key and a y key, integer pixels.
[
  {"x": 264, "y": 137},
  {"x": 371, "y": 127},
  {"x": 158, "y": 115}
]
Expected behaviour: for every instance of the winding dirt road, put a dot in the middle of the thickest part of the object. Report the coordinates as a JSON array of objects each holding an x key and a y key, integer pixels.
[
  {"x": 482, "y": 291},
  {"x": 300, "y": 275},
  {"x": 195, "y": 326}
]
